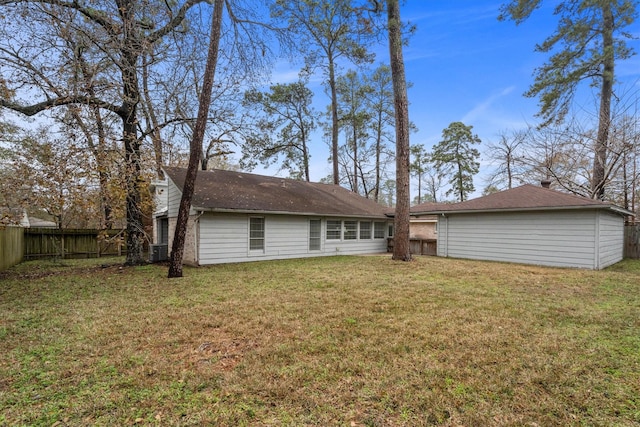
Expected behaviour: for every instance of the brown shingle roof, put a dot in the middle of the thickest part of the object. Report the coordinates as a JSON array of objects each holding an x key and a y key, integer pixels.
[
  {"x": 426, "y": 207},
  {"x": 221, "y": 190},
  {"x": 527, "y": 197}
]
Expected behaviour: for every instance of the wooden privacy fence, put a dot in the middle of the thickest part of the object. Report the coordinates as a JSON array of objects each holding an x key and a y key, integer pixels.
[
  {"x": 11, "y": 246},
  {"x": 632, "y": 241},
  {"x": 54, "y": 243},
  {"x": 418, "y": 246}
]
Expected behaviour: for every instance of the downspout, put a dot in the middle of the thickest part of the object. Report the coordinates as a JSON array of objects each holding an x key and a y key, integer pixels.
[
  {"x": 196, "y": 237},
  {"x": 445, "y": 223},
  {"x": 596, "y": 249}
]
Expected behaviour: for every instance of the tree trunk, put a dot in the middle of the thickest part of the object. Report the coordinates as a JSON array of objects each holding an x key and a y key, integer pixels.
[
  {"x": 420, "y": 183},
  {"x": 604, "y": 116},
  {"x": 152, "y": 120},
  {"x": 128, "y": 114},
  {"x": 305, "y": 155},
  {"x": 103, "y": 175},
  {"x": 461, "y": 182},
  {"x": 99, "y": 149},
  {"x": 99, "y": 152},
  {"x": 355, "y": 156},
  {"x": 376, "y": 190},
  {"x": 334, "y": 121},
  {"x": 135, "y": 228},
  {"x": 195, "y": 149},
  {"x": 401, "y": 250},
  {"x": 509, "y": 173}
]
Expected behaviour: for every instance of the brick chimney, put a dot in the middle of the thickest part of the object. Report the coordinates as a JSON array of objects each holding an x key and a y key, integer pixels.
[{"x": 546, "y": 183}]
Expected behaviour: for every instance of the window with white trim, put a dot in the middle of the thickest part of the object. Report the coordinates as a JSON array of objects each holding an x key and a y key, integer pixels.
[
  {"x": 334, "y": 229},
  {"x": 365, "y": 230},
  {"x": 350, "y": 230},
  {"x": 378, "y": 230},
  {"x": 315, "y": 232},
  {"x": 256, "y": 234}
]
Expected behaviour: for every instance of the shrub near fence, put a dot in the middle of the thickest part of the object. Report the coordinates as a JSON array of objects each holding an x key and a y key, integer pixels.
[
  {"x": 56, "y": 243},
  {"x": 11, "y": 246}
]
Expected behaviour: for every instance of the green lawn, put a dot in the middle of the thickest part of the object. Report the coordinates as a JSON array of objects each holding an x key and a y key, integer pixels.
[{"x": 339, "y": 341}]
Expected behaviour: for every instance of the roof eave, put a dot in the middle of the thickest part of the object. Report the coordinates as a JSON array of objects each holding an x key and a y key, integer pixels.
[
  {"x": 532, "y": 209},
  {"x": 267, "y": 212}
]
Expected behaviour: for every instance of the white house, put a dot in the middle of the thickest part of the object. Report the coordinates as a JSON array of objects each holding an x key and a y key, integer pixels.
[
  {"x": 239, "y": 217},
  {"x": 531, "y": 225}
]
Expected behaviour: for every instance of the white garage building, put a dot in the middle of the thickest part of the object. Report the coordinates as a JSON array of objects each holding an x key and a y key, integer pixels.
[{"x": 531, "y": 225}]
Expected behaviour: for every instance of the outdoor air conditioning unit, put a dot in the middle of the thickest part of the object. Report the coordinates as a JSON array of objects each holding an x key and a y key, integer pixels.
[{"x": 158, "y": 253}]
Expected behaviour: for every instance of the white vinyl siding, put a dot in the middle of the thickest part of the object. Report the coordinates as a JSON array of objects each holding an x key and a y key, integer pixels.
[
  {"x": 611, "y": 236},
  {"x": 223, "y": 239},
  {"x": 173, "y": 199},
  {"x": 558, "y": 238}
]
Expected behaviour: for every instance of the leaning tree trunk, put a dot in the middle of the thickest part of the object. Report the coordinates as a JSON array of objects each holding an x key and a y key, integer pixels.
[
  {"x": 401, "y": 249},
  {"x": 604, "y": 115},
  {"x": 195, "y": 149}
]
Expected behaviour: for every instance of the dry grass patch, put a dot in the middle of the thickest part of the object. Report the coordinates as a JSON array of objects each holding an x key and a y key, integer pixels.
[{"x": 360, "y": 341}]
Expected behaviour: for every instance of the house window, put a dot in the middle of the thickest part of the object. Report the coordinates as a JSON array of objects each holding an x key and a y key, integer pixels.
[
  {"x": 365, "y": 230},
  {"x": 334, "y": 229},
  {"x": 350, "y": 230},
  {"x": 256, "y": 234},
  {"x": 390, "y": 234},
  {"x": 378, "y": 230},
  {"x": 315, "y": 230}
]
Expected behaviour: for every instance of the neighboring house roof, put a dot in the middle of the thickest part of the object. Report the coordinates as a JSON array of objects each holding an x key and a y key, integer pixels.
[
  {"x": 525, "y": 198},
  {"x": 426, "y": 207},
  {"x": 41, "y": 223},
  {"x": 19, "y": 216},
  {"x": 229, "y": 191}
]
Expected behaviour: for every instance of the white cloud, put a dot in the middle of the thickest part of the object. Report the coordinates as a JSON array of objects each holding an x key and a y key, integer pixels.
[
  {"x": 283, "y": 72},
  {"x": 480, "y": 109}
]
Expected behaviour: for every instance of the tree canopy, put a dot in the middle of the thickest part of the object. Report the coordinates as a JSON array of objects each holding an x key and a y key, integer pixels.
[
  {"x": 283, "y": 122},
  {"x": 456, "y": 158},
  {"x": 589, "y": 40}
]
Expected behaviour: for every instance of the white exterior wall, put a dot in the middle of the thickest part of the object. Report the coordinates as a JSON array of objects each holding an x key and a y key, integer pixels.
[
  {"x": 224, "y": 238},
  {"x": 583, "y": 239},
  {"x": 173, "y": 200},
  {"x": 611, "y": 239}
]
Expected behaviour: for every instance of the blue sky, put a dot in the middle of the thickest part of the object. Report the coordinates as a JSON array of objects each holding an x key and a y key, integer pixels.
[{"x": 467, "y": 66}]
